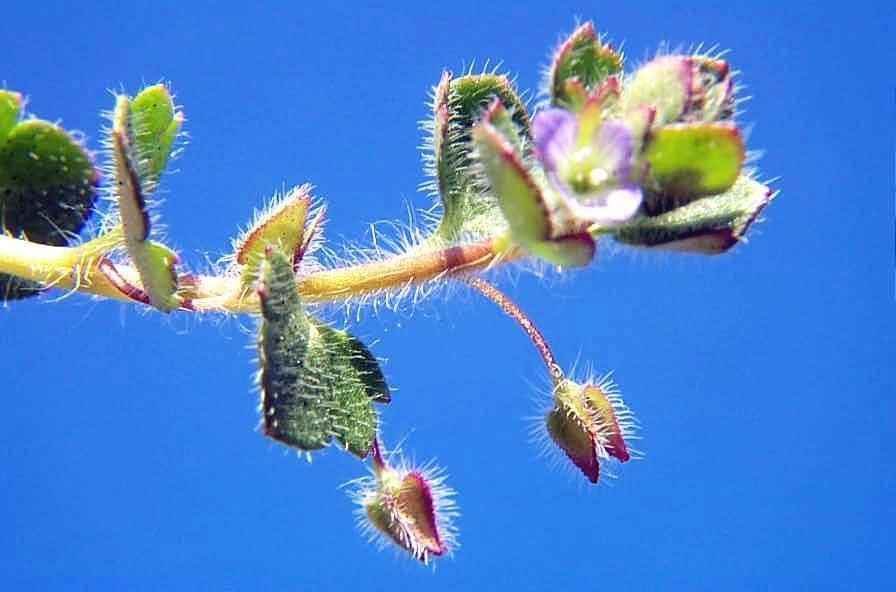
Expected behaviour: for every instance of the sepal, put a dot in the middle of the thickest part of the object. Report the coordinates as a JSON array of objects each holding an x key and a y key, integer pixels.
[
  {"x": 708, "y": 226},
  {"x": 694, "y": 159},
  {"x": 579, "y": 65},
  {"x": 519, "y": 196}
]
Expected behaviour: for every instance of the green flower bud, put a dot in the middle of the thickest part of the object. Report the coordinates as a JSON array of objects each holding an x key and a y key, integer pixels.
[
  {"x": 409, "y": 507},
  {"x": 590, "y": 424}
]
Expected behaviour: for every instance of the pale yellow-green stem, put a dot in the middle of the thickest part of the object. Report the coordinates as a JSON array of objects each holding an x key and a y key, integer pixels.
[{"x": 78, "y": 269}]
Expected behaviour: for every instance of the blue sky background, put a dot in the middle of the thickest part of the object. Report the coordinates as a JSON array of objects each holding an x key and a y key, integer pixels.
[{"x": 763, "y": 378}]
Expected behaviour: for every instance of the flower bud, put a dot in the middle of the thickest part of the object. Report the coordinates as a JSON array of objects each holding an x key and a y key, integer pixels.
[
  {"x": 712, "y": 90},
  {"x": 682, "y": 89},
  {"x": 590, "y": 423},
  {"x": 409, "y": 507}
]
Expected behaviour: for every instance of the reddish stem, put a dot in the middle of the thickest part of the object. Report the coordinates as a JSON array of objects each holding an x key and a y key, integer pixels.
[{"x": 514, "y": 312}]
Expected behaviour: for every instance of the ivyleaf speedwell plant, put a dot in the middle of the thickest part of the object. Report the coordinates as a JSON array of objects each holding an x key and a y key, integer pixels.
[{"x": 652, "y": 159}]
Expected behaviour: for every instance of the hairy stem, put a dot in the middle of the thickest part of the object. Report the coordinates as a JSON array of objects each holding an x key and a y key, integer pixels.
[
  {"x": 514, "y": 312},
  {"x": 78, "y": 269}
]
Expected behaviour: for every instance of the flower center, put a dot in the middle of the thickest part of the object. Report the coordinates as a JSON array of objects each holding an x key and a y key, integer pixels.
[{"x": 582, "y": 171}]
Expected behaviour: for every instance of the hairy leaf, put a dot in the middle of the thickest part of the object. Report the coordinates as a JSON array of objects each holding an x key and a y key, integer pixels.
[
  {"x": 48, "y": 185},
  {"x": 458, "y": 104},
  {"x": 154, "y": 262},
  {"x": 155, "y": 125},
  {"x": 663, "y": 84},
  {"x": 579, "y": 65},
  {"x": 294, "y": 400},
  {"x": 282, "y": 226},
  {"x": 355, "y": 381},
  {"x": 519, "y": 196},
  {"x": 10, "y": 106},
  {"x": 317, "y": 382}
]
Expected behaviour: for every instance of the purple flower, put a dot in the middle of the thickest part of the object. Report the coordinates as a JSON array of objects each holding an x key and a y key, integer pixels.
[{"x": 588, "y": 162}]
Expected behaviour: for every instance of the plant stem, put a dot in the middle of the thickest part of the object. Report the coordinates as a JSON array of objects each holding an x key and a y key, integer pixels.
[
  {"x": 77, "y": 269},
  {"x": 514, "y": 312}
]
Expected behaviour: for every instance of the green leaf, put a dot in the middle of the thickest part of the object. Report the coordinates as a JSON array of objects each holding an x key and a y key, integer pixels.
[
  {"x": 688, "y": 160},
  {"x": 317, "y": 382},
  {"x": 355, "y": 381},
  {"x": 48, "y": 185},
  {"x": 155, "y": 262},
  {"x": 709, "y": 226},
  {"x": 458, "y": 104},
  {"x": 359, "y": 363},
  {"x": 132, "y": 207},
  {"x": 293, "y": 400},
  {"x": 579, "y": 65},
  {"x": 282, "y": 225},
  {"x": 156, "y": 125},
  {"x": 47, "y": 182}
]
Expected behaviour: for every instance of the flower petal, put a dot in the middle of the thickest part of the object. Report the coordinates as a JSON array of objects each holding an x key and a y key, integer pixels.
[
  {"x": 612, "y": 142},
  {"x": 555, "y": 135},
  {"x": 611, "y": 206}
]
